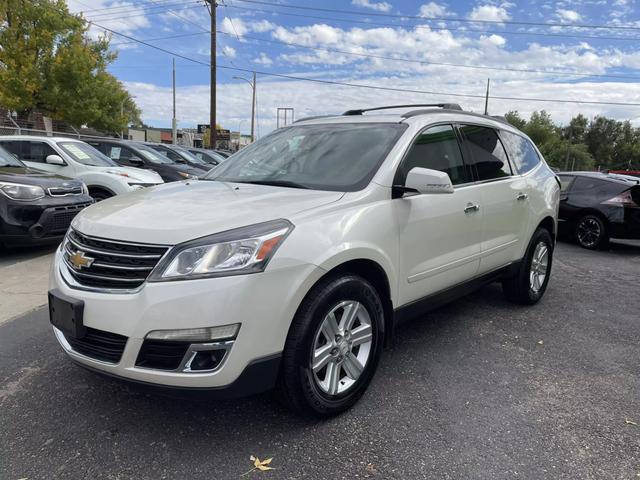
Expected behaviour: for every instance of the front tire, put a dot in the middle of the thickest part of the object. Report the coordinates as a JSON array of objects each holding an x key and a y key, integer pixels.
[
  {"x": 333, "y": 347},
  {"x": 99, "y": 195},
  {"x": 528, "y": 284}
]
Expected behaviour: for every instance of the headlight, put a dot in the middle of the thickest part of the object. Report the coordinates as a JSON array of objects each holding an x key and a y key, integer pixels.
[
  {"x": 120, "y": 174},
  {"x": 17, "y": 191},
  {"x": 186, "y": 175},
  {"x": 234, "y": 252}
]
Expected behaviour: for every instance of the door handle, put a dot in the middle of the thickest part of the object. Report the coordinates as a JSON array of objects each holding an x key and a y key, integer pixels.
[
  {"x": 471, "y": 207},
  {"x": 522, "y": 196}
]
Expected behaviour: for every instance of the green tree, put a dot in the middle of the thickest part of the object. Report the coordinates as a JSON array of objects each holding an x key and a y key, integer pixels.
[
  {"x": 48, "y": 63},
  {"x": 602, "y": 137},
  {"x": 514, "y": 118}
]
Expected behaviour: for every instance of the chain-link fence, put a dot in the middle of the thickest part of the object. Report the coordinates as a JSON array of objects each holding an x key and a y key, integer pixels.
[{"x": 39, "y": 125}]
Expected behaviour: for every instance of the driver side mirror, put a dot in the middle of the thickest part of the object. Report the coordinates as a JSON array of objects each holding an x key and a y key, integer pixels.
[
  {"x": 425, "y": 180},
  {"x": 54, "y": 160},
  {"x": 137, "y": 161}
]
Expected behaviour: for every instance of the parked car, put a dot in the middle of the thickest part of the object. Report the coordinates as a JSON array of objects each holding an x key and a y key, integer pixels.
[
  {"x": 135, "y": 154},
  {"x": 212, "y": 157},
  {"x": 224, "y": 153},
  {"x": 180, "y": 155},
  {"x": 36, "y": 207},
  {"x": 75, "y": 159},
  {"x": 304, "y": 252},
  {"x": 595, "y": 207}
]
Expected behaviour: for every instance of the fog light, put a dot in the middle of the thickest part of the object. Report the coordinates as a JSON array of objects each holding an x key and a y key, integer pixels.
[
  {"x": 207, "y": 360},
  {"x": 206, "y": 334}
]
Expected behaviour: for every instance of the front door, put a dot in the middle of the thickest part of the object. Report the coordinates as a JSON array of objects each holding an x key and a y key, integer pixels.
[{"x": 439, "y": 233}]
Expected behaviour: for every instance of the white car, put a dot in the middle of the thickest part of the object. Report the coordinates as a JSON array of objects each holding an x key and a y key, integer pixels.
[
  {"x": 303, "y": 253},
  {"x": 76, "y": 159}
]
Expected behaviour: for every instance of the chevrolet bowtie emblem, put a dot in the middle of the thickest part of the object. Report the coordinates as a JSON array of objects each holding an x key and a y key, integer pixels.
[{"x": 79, "y": 261}]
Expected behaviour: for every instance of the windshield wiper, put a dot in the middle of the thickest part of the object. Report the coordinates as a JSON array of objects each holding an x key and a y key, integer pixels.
[{"x": 276, "y": 183}]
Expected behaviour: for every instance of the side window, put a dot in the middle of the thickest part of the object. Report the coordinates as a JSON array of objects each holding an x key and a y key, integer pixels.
[
  {"x": 565, "y": 182},
  {"x": 583, "y": 184},
  {"x": 436, "y": 148},
  {"x": 171, "y": 154},
  {"x": 523, "y": 155},
  {"x": 36, "y": 151},
  {"x": 14, "y": 148},
  {"x": 487, "y": 153}
]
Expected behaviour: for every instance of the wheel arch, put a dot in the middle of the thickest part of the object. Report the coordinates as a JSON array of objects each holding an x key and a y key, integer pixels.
[
  {"x": 100, "y": 188},
  {"x": 549, "y": 224},
  {"x": 372, "y": 271}
]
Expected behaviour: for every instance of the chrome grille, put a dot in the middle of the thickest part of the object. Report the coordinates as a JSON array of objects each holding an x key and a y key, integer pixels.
[
  {"x": 65, "y": 191},
  {"x": 109, "y": 264}
]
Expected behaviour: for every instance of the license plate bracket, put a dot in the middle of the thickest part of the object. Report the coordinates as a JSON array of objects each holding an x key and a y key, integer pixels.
[{"x": 66, "y": 314}]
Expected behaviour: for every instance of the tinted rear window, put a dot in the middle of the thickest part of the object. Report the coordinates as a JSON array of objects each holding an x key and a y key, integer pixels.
[
  {"x": 522, "y": 153},
  {"x": 487, "y": 153}
]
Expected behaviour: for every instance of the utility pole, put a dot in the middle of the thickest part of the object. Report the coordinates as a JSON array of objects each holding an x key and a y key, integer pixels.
[
  {"x": 174, "y": 130},
  {"x": 486, "y": 99},
  {"x": 213, "y": 140}
]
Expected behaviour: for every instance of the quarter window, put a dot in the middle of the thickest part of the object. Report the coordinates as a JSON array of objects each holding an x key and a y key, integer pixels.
[
  {"x": 521, "y": 152},
  {"x": 487, "y": 153},
  {"x": 436, "y": 148}
]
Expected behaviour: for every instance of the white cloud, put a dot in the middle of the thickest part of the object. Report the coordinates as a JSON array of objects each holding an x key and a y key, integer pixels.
[
  {"x": 135, "y": 20},
  {"x": 493, "y": 40},
  {"x": 433, "y": 9},
  {"x": 229, "y": 52},
  {"x": 489, "y": 13},
  {"x": 568, "y": 15},
  {"x": 262, "y": 26},
  {"x": 234, "y": 26},
  {"x": 316, "y": 99},
  {"x": 379, "y": 6},
  {"x": 263, "y": 59}
]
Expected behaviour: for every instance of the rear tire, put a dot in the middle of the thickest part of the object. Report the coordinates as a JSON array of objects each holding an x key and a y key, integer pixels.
[
  {"x": 333, "y": 347},
  {"x": 528, "y": 284},
  {"x": 591, "y": 232}
]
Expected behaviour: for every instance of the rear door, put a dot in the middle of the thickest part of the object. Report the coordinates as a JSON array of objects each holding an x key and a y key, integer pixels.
[
  {"x": 504, "y": 197},
  {"x": 439, "y": 234}
]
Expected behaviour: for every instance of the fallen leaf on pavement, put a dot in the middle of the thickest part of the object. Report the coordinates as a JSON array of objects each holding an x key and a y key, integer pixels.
[
  {"x": 261, "y": 465},
  {"x": 630, "y": 422}
]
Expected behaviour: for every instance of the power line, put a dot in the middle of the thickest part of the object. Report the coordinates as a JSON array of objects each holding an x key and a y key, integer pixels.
[
  {"x": 436, "y": 28},
  {"x": 133, "y": 13},
  {"x": 367, "y": 86},
  {"x": 426, "y": 62},
  {"x": 443, "y": 19},
  {"x": 123, "y": 7}
]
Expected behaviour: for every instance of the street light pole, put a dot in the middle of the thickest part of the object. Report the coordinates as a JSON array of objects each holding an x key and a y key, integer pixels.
[{"x": 253, "y": 103}]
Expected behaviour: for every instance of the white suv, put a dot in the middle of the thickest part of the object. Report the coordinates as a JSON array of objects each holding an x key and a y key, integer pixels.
[
  {"x": 303, "y": 252},
  {"x": 76, "y": 159}
]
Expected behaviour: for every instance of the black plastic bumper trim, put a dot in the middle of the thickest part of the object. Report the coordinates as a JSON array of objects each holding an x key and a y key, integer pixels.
[{"x": 258, "y": 377}]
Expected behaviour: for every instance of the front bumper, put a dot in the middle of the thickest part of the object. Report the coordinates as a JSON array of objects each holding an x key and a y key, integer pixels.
[
  {"x": 264, "y": 304},
  {"x": 41, "y": 221}
]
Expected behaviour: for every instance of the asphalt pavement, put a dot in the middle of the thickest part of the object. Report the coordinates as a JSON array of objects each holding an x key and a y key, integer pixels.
[{"x": 480, "y": 389}]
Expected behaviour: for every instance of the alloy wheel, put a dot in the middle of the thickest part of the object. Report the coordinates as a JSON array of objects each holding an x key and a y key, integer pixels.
[
  {"x": 342, "y": 347},
  {"x": 589, "y": 232},
  {"x": 539, "y": 265}
]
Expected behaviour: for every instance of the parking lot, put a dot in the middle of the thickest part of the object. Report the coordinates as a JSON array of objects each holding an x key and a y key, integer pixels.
[{"x": 478, "y": 389}]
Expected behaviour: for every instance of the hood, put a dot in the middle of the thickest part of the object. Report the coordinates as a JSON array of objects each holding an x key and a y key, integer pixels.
[
  {"x": 133, "y": 174},
  {"x": 28, "y": 176},
  {"x": 181, "y": 211}
]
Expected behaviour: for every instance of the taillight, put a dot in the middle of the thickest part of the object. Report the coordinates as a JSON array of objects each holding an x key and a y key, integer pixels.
[{"x": 623, "y": 200}]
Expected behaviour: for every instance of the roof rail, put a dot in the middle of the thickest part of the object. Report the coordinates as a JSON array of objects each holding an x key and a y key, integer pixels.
[
  {"x": 311, "y": 118},
  {"x": 448, "y": 106}
]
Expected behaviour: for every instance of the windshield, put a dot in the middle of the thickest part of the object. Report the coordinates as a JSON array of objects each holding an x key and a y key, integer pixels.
[
  {"x": 211, "y": 155},
  {"x": 86, "y": 154},
  {"x": 8, "y": 160},
  {"x": 189, "y": 157},
  {"x": 339, "y": 157},
  {"x": 153, "y": 156}
]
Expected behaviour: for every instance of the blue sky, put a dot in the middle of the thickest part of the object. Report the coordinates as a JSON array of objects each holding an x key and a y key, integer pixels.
[{"x": 430, "y": 49}]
